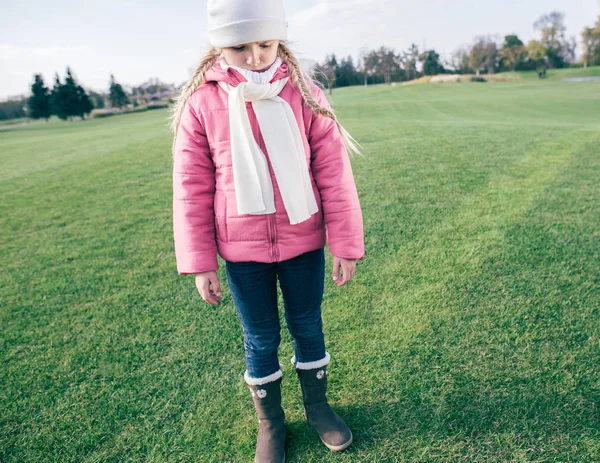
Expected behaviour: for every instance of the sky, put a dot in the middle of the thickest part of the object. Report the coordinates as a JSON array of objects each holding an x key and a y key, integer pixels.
[{"x": 136, "y": 40}]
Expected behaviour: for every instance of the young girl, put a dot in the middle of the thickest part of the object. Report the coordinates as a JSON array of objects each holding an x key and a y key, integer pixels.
[{"x": 262, "y": 177}]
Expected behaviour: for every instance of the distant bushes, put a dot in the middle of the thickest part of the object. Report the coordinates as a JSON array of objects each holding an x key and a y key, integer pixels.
[
  {"x": 157, "y": 105},
  {"x": 13, "y": 108},
  {"x": 446, "y": 78},
  {"x": 100, "y": 113},
  {"x": 457, "y": 78}
]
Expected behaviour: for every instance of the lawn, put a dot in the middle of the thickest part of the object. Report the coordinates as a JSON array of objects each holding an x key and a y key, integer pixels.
[
  {"x": 471, "y": 332},
  {"x": 557, "y": 74}
]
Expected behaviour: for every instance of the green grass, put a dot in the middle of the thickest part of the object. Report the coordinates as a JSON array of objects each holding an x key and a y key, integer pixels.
[
  {"x": 471, "y": 332},
  {"x": 557, "y": 74},
  {"x": 20, "y": 120}
]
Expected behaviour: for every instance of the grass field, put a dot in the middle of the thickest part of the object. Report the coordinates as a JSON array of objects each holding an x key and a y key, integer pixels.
[
  {"x": 557, "y": 74},
  {"x": 471, "y": 332}
]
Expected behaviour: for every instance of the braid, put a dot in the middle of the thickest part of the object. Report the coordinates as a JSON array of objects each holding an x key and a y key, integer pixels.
[
  {"x": 300, "y": 81},
  {"x": 190, "y": 87}
]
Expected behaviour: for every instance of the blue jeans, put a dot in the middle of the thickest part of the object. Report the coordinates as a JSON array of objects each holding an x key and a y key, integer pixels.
[{"x": 253, "y": 287}]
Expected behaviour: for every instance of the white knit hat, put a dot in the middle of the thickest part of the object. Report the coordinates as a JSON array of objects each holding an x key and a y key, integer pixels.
[{"x": 233, "y": 22}]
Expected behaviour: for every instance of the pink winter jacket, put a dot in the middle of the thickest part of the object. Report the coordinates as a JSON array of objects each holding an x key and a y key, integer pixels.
[{"x": 205, "y": 217}]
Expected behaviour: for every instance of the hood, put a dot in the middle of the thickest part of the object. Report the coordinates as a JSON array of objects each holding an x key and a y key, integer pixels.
[{"x": 232, "y": 77}]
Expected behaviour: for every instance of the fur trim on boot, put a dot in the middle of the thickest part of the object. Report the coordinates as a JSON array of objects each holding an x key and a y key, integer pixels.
[
  {"x": 270, "y": 442},
  {"x": 332, "y": 430},
  {"x": 310, "y": 365}
]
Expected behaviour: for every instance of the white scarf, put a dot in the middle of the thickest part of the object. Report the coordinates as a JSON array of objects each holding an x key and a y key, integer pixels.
[{"x": 278, "y": 126}]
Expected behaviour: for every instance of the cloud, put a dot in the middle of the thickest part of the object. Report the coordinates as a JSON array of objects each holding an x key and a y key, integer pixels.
[
  {"x": 306, "y": 17},
  {"x": 8, "y": 52},
  {"x": 347, "y": 14},
  {"x": 346, "y": 26}
]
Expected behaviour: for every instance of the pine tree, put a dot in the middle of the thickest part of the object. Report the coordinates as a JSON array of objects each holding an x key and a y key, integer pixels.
[
  {"x": 58, "y": 100},
  {"x": 117, "y": 95},
  {"x": 85, "y": 104},
  {"x": 347, "y": 74},
  {"x": 73, "y": 98},
  {"x": 39, "y": 101},
  {"x": 430, "y": 60},
  {"x": 70, "y": 95}
]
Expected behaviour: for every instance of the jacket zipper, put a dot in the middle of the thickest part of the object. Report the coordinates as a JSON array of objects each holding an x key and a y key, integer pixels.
[
  {"x": 271, "y": 217},
  {"x": 234, "y": 78},
  {"x": 274, "y": 238}
]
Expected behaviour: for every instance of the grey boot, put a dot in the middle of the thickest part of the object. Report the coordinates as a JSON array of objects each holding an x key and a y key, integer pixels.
[
  {"x": 270, "y": 443},
  {"x": 331, "y": 428}
]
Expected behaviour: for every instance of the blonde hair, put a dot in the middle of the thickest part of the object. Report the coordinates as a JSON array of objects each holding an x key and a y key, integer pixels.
[{"x": 297, "y": 77}]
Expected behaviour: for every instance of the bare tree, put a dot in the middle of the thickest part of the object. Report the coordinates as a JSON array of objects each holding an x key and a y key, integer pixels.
[
  {"x": 410, "y": 59},
  {"x": 559, "y": 50},
  {"x": 538, "y": 55},
  {"x": 389, "y": 63},
  {"x": 459, "y": 60},
  {"x": 371, "y": 63},
  {"x": 587, "y": 38},
  {"x": 484, "y": 55},
  {"x": 361, "y": 64}
]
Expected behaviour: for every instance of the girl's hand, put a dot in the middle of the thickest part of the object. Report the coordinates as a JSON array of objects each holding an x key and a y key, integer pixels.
[
  {"x": 348, "y": 267},
  {"x": 209, "y": 287}
]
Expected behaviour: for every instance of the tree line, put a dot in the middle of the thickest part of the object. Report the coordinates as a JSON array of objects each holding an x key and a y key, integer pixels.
[
  {"x": 67, "y": 99},
  {"x": 486, "y": 55}
]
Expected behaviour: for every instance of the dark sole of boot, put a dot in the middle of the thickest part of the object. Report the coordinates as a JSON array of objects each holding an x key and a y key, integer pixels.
[
  {"x": 284, "y": 458},
  {"x": 338, "y": 448},
  {"x": 335, "y": 448}
]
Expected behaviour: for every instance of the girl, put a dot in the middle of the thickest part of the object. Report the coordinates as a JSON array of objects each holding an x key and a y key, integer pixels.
[{"x": 262, "y": 178}]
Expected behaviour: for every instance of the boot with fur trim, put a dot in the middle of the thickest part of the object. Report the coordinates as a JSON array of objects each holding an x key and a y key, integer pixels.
[
  {"x": 266, "y": 395},
  {"x": 331, "y": 428}
]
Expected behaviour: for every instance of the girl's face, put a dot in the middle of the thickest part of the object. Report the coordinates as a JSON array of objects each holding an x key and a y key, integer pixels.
[{"x": 254, "y": 56}]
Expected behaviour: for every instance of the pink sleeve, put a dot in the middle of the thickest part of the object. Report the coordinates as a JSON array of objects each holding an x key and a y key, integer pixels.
[
  {"x": 193, "y": 196},
  {"x": 333, "y": 174}
]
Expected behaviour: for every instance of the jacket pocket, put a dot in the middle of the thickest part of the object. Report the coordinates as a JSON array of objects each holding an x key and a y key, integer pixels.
[
  {"x": 245, "y": 227},
  {"x": 248, "y": 228}
]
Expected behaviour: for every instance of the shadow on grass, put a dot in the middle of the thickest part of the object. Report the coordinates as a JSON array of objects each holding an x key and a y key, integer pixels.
[{"x": 469, "y": 412}]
